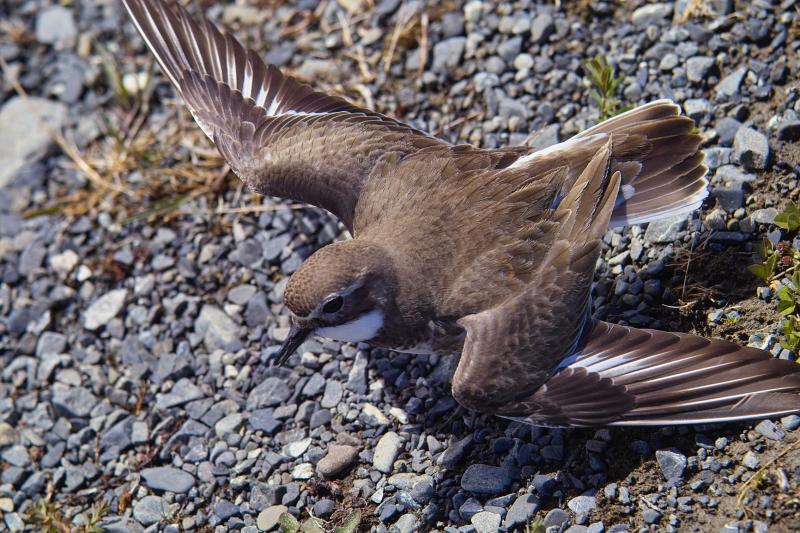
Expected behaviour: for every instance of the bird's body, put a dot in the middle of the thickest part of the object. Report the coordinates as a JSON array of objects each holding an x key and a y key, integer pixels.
[{"x": 486, "y": 253}]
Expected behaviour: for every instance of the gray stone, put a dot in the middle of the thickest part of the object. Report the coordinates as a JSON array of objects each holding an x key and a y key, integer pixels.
[
  {"x": 542, "y": 28},
  {"x": 582, "y": 504},
  {"x": 338, "y": 459},
  {"x": 332, "y": 395},
  {"x": 665, "y": 230},
  {"x": 485, "y": 479},
  {"x": 357, "y": 377},
  {"x": 672, "y": 463},
  {"x": 751, "y": 149},
  {"x": 791, "y": 422},
  {"x": 273, "y": 391},
  {"x": 508, "y": 50},
  {"x": 264, "y": 420},
  {"x": 13, "y": 522},
  {"x": 729, "y": 198},
  {"x": 51, "y": 342},
  {"x": 651, "y": 516},
  {"x": 55, "y": 25},
  {"x": 16, "y": 456},
  {"x": 167, "y": 478},
  {"x": 656, "y": 13},
  {"x": 268, "y": 518},
  {"x": 770, "y": 430},
  {"x": 314, "y": 385},
  {"x": 324, "y": 508},
  {"x": 184, "y": 391},
  {"x": 751, "y": 460},
  {"x": 241, "y": 294},
  {"x": 229, "y": 424},
  {"x": 486, "y": 522},
  {"x": 765, "y": 216},
  {"x": 218, "y": 329},
  {"x": 104, "y": 309},
  {"x": 447, "y": 53},
  {"x": 698, "y": 68},
  {"x": 407, "y": 523},
  {"x": 730, "y": 84},
  {"x": 521, "y": 511},
  {"x": 555, "y": 517},
  {"x": 386, "y": 452},
  {"x": 698, "y": 109},
  {"x": 150, "y": 510},
  {"x": 73, "y": 401},
  {"x": 225, "y": 509},
  {"x": 789, "y": 127},
  {"x": 726, "y": 129}
]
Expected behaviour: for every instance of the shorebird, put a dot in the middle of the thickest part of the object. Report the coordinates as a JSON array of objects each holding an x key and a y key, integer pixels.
[{"x": 489, "y": 253}]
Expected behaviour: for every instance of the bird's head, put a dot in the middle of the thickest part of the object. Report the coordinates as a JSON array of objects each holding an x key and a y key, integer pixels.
[{"x": 341, "y": 292}]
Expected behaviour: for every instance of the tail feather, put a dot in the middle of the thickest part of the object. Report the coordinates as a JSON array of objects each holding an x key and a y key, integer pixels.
[
  {"x": 672, "y": 169},
  {"x": 634, "y": 377}
]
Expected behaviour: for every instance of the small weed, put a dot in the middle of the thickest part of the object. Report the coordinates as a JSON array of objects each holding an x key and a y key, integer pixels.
[
  {"x": 606, "y": 86},
  {"x": 45, "y": 515},
  {"x": 289, "y": 524},
  {"x": 536, "y": 526},
  {"x": 780, "y": 268}
]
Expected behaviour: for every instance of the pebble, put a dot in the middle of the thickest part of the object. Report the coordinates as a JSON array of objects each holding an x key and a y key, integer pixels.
[
  {"x": 582, "y": 504},
  {"x": 751, "y": 149},
  {"x": 338, "y": 459},
  {"x": 730, "y": 84},
  {"x": 386, "y": 452},
  {"x": 672, "y": 463},
  {"x": 268, "y": 518},
  {"x": 521, "y": 511},
  {"x": 651, "y": 516},
  {"x": 269, "y": 393},
  {"x": 167, "y": 478},
  {"x": 486, "y": 522},
  {"x": 408, "y": 523},
  {"x": 104, "y": 309},
  {"x": 55, "y": 25},
  {"x": 791, "y": 422},
  {"x": 542, "y": 28},
  {"x": 485, "y": 479},
  {"x": 665, "y": 230},
  {"x": 751, "y": 460},
  {"x": 698, "y": 68},
  {"x": 653, "y": 13},
  {"x": 332, "y": 395},
  {"x": 555, "y": 518},
  {"x": 770, "y": 430},
  {"x": 217, "y": 328},
  {"x": 447, "y": 53},
  {"x": 150, "y": 510}
]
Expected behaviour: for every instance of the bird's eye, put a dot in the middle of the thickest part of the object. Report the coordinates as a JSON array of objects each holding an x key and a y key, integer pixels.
[{"x": 333, "y": 305}]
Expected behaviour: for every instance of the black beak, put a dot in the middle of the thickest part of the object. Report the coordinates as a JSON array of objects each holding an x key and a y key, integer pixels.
[{"x": 296, "y": 337}]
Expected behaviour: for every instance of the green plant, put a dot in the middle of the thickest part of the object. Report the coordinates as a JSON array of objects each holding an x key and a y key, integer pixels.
[
  {"x": 780, "y": 269},
  {"x": 535, "y": 526},
  {"x": 606, "y": 86}
]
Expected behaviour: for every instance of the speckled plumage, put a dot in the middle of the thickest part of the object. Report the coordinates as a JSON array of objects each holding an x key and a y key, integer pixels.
[{"x": 485, "y": 252}]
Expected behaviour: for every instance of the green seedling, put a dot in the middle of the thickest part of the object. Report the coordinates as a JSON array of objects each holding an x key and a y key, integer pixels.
[{"x": 606, "y": 86}]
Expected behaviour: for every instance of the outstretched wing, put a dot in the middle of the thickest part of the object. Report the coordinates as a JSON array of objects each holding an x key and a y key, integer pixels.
[
  {"x": 511, "y": 349},
  {"x": 626, "y": 376},
  {"x": 280, "y": 136}
]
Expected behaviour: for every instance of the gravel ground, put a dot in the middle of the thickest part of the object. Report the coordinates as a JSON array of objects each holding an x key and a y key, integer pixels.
[{"x": 139, "y": 310}]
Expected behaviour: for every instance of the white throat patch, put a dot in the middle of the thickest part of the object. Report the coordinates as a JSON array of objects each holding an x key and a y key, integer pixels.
[{"x": 361, "y": 329}]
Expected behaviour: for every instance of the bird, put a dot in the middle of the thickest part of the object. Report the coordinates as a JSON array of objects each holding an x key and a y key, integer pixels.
[{"x": 484, "y": 254}]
